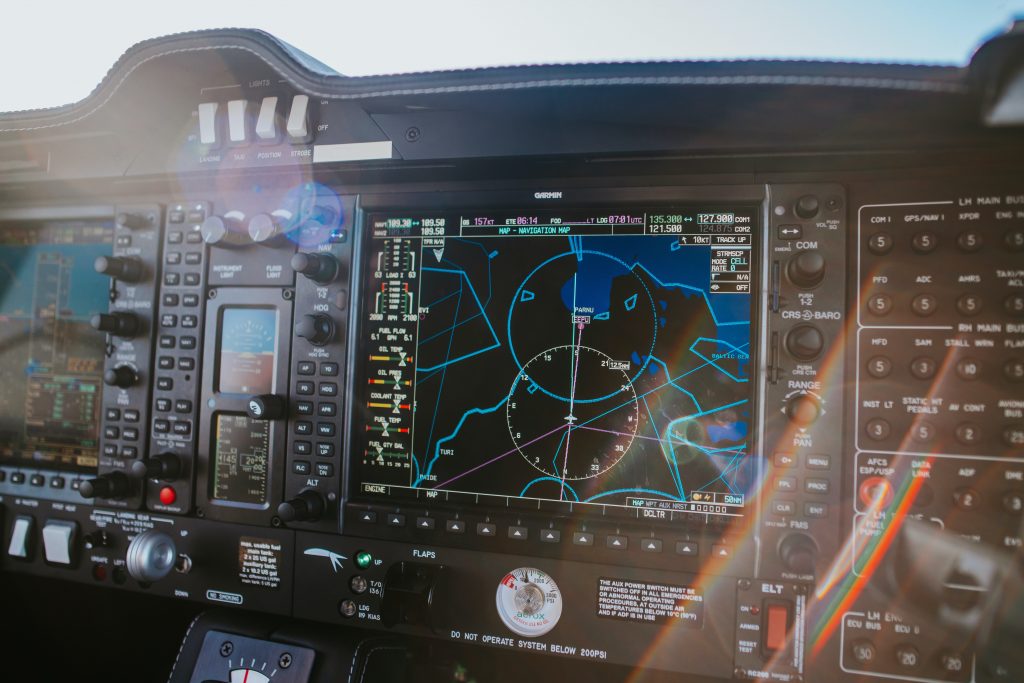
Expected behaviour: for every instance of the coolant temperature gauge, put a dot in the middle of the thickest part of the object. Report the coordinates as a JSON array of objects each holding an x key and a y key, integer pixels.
[{"x": 529, "y": 602}]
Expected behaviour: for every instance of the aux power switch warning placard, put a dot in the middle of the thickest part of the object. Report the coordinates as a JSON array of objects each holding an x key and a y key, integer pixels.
[{"x": 649, "y": 603}]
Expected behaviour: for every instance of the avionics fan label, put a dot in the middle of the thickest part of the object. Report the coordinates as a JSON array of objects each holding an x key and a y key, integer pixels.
[{"x": 649, "y": 603}]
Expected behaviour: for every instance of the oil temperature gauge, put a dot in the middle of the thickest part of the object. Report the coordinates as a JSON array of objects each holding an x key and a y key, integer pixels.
[{"x": 529, "y": 602}]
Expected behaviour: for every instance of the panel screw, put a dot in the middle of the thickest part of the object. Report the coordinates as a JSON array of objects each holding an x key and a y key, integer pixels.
[
  {"x": 412, "y": 134},
  {"x": 287, "y": 294},
  {"x": 212, "y": 294},
  {"x": 285, "y": 660},
  {"x": 744, "y": 584},
  {"x": 226, "y": 648}
]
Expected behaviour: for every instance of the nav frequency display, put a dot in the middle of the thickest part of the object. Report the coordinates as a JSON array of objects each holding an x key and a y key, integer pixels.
[{"x": 588, "y": 356}]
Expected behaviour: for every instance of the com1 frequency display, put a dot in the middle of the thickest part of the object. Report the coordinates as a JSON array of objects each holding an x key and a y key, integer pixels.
[{"x": 588, "y": 356}]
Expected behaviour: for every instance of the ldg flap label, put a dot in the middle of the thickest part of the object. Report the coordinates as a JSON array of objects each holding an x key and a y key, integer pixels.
[
  {"x": 649, "y": 603},
  {"x": 259, "y": 562}
]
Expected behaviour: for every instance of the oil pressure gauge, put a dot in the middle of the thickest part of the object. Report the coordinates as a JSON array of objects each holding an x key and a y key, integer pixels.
[{"x": 529, "y": 602}]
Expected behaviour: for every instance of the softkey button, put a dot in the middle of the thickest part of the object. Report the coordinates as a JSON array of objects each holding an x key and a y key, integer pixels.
[
  {"x": 651, "y": 545},
  {"x": 425, "y": 523},
  {"x": 518, "y": 533},
  {"x": 583, "y": 538},
  {"x": 455, "y": 526},
  {"x": 616, "y": 542},
  {"x": 486, "y": 529},
  {"x": 396, "y": 520},
  {"x": 367, "y": 516},
  {"x": 687, "y": 548},
  {"x": 550, "y": 536}
]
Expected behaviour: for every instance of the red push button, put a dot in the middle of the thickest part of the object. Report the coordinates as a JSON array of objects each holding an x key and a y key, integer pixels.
[
  {"x": 776, "y": 625},
  {"x": 167, "y": 495}
]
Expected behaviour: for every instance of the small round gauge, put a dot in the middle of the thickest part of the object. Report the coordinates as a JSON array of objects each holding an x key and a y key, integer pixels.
[
  {"x": 248, "y": 676},
  {"x": 529, "y": 602}
]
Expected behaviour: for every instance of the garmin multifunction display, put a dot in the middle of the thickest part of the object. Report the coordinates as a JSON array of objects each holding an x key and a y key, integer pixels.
[
  {"x": 241, "y": 457},
  {"x": 585, "y": 356},
  {"x": 51, "y": 360},
  {"x": 248, "y": 347}
]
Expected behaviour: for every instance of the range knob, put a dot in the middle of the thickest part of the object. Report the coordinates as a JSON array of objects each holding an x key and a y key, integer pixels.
[
  {"x": 798, "y": 553},
  {"x": 807, "y": 206},
  {"x": 316, "y": 328},
  {"x": 120, "y": 324},
  {"x": 806, "y": 269},
  {"x": 151, "y": 556},
  {"x": 164, "y": 466},
  {"x": 308, "y": 506},
  {"x": 122, "y": 376},
  {"x": 266, "y": 407},
  {"x": 135, "y": 221},
  {"x": 126, "y": 268},
  {"x": 268, "y": 229},
  {"x": 224, "y": 231},
  {"x": 805, "y": 342},
  {"x": 321, "y": 268},
  {"x": 803, "y": 409},
  {"x": 110, "y": 485}
]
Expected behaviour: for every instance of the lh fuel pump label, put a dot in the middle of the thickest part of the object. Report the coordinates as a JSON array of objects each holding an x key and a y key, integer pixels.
[{"x": 649, "y": 603}]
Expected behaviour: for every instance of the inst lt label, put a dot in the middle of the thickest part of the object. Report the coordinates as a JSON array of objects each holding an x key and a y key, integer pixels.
[{"x": 649, "y": 603}]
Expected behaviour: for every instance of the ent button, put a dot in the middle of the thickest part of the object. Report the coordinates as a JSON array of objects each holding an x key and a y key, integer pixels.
[
  {"x": 59, "y": 541},
  {"x": 21, "y": 537}
]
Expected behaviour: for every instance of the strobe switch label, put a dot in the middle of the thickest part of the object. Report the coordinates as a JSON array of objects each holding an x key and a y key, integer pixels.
[{"x": 649, "y": 603}]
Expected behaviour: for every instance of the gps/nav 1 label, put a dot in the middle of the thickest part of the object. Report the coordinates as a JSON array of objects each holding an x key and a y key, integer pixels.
[{"x": 649, "y": 603}]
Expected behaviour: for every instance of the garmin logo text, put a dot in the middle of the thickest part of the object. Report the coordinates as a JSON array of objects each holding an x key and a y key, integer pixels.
[{"x": 547, "y": 195}]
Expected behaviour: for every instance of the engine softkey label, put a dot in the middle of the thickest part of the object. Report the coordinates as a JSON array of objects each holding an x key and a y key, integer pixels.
[{"x": 649, "y": 603}]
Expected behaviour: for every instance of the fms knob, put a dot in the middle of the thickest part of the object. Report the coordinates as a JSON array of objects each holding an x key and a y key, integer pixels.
[
  {"x": 152, "y": 555},
  {"x": 224, "y": 231},
  {"x": 316, "y": 328},
  {"x": 803, "y": 409},
  {"x": 126, "y": 268},
  {"x": 265, "y": 407},
  {"x": 164, "y": 466},
  {"x": 806, "y": 269},
  {"x": 798, "y": 553},
  {"x": 120, "y": 324},
  {"x": 308, "y": 506},
  {"x": 321, "y": 268},
  {"x": 122, "y": 376},
  {"x": 110, "y": 485}
]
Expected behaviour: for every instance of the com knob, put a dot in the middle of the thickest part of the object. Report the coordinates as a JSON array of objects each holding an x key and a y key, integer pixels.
[
  {"x": 316, "y": 328},
  {"x": 265, "y": 407},
  {"x": 806, "y": 269},
  {"x": 224, "y": 231},
  {"x": 151, "y": 556},
  {"x": 803, "y": 409},
  {"x": 308, "y": 506},
  {"x": 805, "y": 342},
  {"x": 268, "y": 229},
  {"x": 122, "y": 376},
  {"x": 798, "y": 553},
  {"x": 111, "y": 485},
  {"x": 163, "y": 466},
  {"x": 125, "y": 268},
  {"x": 135, "y": 221},
  {"x": 124, "y": 325},
  {"x": 321, "y": 268}
]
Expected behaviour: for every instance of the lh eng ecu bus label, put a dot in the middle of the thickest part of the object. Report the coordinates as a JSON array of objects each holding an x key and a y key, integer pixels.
[{"x": 649, "y": 603}]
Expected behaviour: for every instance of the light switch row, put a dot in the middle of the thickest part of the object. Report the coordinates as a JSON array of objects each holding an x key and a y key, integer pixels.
[
  {"x": 59, "y": 540},
  {"x": 239, "y": 118}
]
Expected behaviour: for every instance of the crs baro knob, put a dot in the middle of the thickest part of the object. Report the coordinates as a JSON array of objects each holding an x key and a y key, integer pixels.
[{"x": 529, "y": 602}]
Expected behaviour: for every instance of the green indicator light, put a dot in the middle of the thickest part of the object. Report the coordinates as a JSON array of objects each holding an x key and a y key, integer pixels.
[{"x": 363, "y": 559}]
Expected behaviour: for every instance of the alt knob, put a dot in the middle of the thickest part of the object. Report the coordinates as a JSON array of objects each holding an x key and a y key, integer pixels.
[
  {"x": 805, "y": 342},
  {"x": 111, "y": 485},
  {"x": 803, "y": 409},
  {"x": 266, "y": 407},
  {"x": 122, "y": 376},
  {"x": 267, "y": 229},
  {"x": 126, "y": 268},
  {"x": 135, "y": 221},
  {"x": 798, "y": 553},
  {"x": 151, "y": 556},
  {"x": 120, "y": 324},
  {"x": 316, "y": 328},
  {"x": 806, "y": 269},
  {"x": 807, "y": 206},
  {"x": 322, "y": 268},
  {"x": 308, "y": 506},
  {"x": 164, "y": 466},
  {"x": 223, "y": 231}
]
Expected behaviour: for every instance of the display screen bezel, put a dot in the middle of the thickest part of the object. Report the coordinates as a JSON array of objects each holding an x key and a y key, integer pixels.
[{"x": 747, "y": 198}]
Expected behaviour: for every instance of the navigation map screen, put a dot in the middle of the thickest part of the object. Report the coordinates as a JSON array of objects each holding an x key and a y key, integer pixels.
[
  {"x": 577, "y": 357},
  {"x": 51, "y": 360}
]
